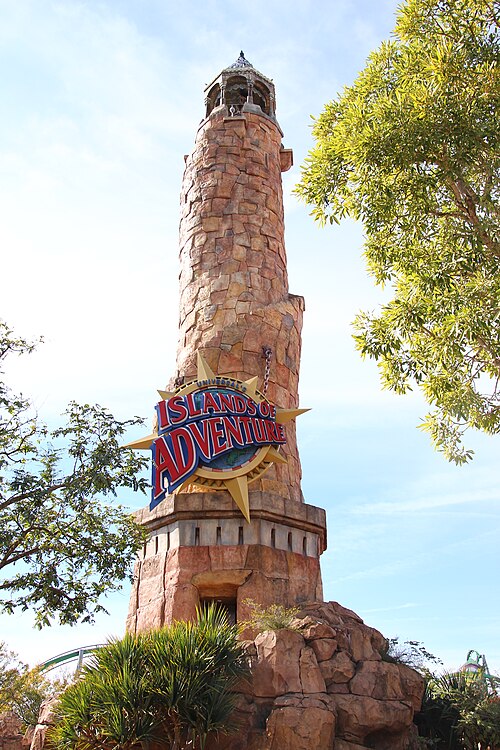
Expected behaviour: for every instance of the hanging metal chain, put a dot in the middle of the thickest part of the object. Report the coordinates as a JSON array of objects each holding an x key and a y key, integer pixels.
[{"x": 267, "y": 353}]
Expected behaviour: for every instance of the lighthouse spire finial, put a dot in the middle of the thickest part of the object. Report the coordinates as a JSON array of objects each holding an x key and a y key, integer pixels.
[{"x": 241, "y": 62}]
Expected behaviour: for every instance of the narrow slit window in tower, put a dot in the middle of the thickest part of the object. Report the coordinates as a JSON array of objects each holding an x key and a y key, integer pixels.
[
  {"x": 168, "y": 540},
  {"x": 240, "y": 535},
  {"x": 273, "y": 537},
  {"x": 156, "y": 545},
  {"x": 290, "y": 545},
  {"x": 197, "y": 536},
  {"x": 218, "y": 535},
  {"x": 304, "y": 546}
]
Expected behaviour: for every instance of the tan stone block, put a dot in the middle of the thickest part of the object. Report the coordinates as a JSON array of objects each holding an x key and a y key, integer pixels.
[
  {"x": 226, "y": 185},
  {"x": 242, "y": 238},
  {"x": 253, "y": 341},
  {"x": 358, "y": 716},
  {"x": 239, "y": 251},
  {"x": 324, "y": 648},
  {"x": 311, "y": 679},
  {"x": 229, "y": 363},
  {"x": 247, "y": 207},
  {"x": 229, "y": 266},
  {"x": 220, "y": 283},
  {"x": 276, "y": 670},
  {"x": 229, "y": 316},
  {"x": 233, "y": 169},
  {"x": 217, "y": 298},
  {"x": 233, "y": 334},
  {"x": 253, "y": 362},
  {"x": 235, "y": 289},
  {"x": 300, "y": 728},
  {"x": 339, "y": 668},
  {"x": 229, "y": 558},
  {"x": 385, "y": 681},
  {"x": 242, "y": 307},
  {"x": 259, "y": 244}
]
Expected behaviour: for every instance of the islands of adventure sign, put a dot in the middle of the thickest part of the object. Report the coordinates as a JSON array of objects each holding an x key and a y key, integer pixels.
[{"x": 214, "y": 432}]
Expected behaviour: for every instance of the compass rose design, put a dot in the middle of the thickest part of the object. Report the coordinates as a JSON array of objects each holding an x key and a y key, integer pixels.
[{"x": 217, "y": 433}]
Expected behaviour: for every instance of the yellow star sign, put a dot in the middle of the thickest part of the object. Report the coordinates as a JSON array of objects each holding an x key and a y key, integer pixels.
[{"x": 214, "y": 432}]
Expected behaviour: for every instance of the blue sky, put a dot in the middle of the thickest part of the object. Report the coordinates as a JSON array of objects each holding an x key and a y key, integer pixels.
[{"x": 100, "y": 101}]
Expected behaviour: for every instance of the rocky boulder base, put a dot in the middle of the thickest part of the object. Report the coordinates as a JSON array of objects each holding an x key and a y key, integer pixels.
[
  {"x": 324, "y": 686},
  {"x": 11, "y": 736},
  {"x": 320, "y": 686}
]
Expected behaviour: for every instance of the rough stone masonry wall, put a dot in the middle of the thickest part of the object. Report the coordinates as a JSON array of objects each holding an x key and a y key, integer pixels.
[{"x": 233, "y": 281}]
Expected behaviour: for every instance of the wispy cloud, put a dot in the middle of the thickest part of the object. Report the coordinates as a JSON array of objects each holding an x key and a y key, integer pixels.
[{"x": 393, "y": 608}]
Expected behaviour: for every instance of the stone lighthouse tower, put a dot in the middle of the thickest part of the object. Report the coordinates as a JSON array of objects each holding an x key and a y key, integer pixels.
[{"x": 228, "y": 521}]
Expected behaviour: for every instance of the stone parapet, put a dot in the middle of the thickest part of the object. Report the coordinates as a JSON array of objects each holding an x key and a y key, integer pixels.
[{"x": 264, "y": 506}]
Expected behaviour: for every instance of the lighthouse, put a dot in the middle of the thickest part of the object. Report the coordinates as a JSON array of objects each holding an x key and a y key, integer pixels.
[{"x": 227, "y": 520}]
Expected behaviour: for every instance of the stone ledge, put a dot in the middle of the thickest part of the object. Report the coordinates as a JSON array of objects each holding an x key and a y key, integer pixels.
[{"x": 263, "y": 505}]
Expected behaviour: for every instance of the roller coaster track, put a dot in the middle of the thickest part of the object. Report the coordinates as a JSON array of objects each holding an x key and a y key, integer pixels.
[{"x": 77, "y": 654}]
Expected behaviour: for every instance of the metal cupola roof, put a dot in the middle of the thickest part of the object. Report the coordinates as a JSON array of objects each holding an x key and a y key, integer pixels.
[{"x": 241, "y": 87}]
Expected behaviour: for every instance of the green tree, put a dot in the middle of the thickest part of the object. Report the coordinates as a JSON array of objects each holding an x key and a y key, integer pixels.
[
  {"x": 412, "y": 149},
  {"x": 22, "y": 689},
  {"x": 173, "y": 687},
  {"x": 460, "y": 711},
  {"x": 10, "y": 670},
  {"x": 61, "y": 545}
]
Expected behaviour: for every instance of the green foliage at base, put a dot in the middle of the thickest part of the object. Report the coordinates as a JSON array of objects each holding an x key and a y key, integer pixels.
[
  {"x": 460, "y": 711},
  {"x": 172, "y": 686},
  {"x": 274, "y": 617}
]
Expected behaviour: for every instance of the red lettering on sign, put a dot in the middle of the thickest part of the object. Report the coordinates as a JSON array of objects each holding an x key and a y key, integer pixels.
[
  {"x": 269, "y": 427},
  {"x": 162, "y": 412},
  {"x": 264, "y": 409},
  {"x": 259, "y": 430},
  {"x": 251, "y": 408},
  {"x": 210, "y": 402},
  {"x": 243, "y": 421},
  {"x": 177, "y": 409},
  {"x": 218, "y": 436},
  {"x": 226, "y": 401},
  {"x": 163, "y": 462},
  {"x": 201, "y": 435},
  {"x": 233, "y": 430},
  {"x": 193, "y": 411},
  {"x": 184, "y": 453},
  {"x": 240, "y": 404}
]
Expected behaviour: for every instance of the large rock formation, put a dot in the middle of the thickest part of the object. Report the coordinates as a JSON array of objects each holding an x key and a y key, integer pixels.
[
  {"x": 324, "y": 686},
  {"x": 319, "y": 686},
  {"x": 10, "y": 731},
  {"x": 46, "y": 719}
]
